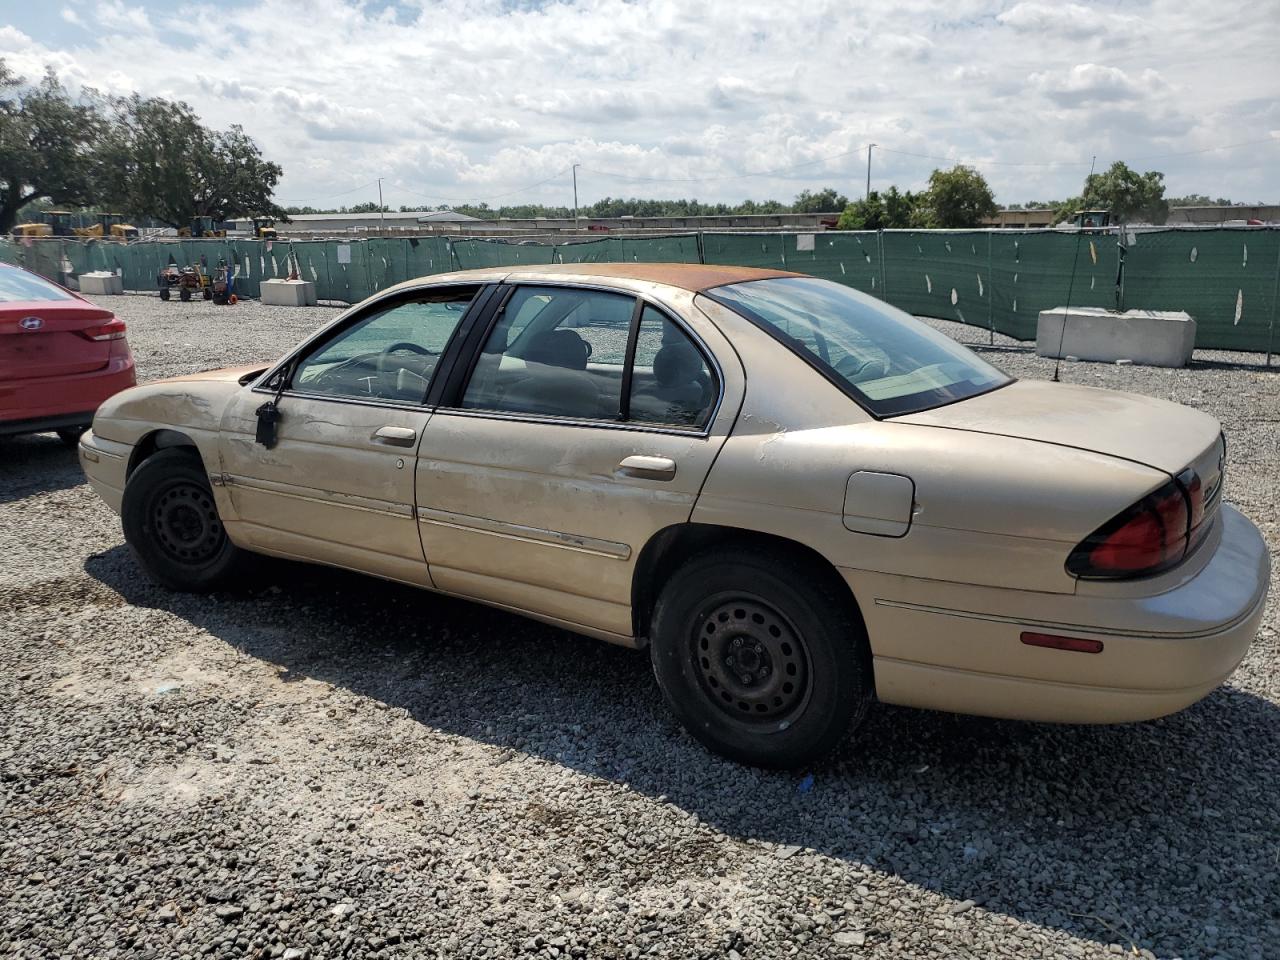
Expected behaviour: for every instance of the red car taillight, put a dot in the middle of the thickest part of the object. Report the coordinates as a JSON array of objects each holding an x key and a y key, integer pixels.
[
  {"x": 1152, "y": 535},
  {"x": 113, "y": 329}
]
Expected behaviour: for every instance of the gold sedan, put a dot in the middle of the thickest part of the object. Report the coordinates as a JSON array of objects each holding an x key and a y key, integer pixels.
[{"x": 796, "y": 496}]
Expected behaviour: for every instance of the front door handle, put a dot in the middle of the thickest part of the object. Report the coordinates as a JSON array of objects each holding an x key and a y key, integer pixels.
[
  {"x": 648, "y": 468},
  {"x": 395, "y": 436}
]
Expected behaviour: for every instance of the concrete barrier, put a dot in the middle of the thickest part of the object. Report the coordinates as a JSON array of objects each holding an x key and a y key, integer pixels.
[
  {"x": 288, "y": 293},
  {"x": 101, "y": 283},
  {"x": 1152, "y": 337}
]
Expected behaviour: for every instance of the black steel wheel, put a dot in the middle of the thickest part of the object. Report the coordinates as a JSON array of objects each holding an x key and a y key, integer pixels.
[
  {"x": 762, "y": 658},
  {"x": 751, "y": 660},
  {"x": 185, "y": 521},
  {"x": 171, "y": 523}
]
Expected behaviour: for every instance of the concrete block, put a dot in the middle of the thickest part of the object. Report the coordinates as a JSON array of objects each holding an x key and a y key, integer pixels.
[
  {"x": 1155, "y": 338},
  {"x": 101, "y": 283},
  {"x": 289, "y": 293}
]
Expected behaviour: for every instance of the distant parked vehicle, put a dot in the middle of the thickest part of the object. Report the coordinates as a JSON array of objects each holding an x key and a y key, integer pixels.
[{"x": 60, "y": 356}]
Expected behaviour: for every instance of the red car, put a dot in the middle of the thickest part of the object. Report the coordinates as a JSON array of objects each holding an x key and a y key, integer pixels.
[{"x": 60, "y": 356}]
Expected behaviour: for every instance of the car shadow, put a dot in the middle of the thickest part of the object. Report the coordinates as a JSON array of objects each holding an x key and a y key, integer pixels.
[
  {"x": 1096, "y": 831},
  {"x": 36, "y": 463}
]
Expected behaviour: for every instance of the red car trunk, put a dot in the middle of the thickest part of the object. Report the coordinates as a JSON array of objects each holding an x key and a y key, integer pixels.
[
  {"x": 60, "y": 356},
  {"x": 60, "y": 344}
]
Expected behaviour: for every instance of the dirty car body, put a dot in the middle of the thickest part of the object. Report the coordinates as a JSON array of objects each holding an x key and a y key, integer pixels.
[{"x": 798, "y": 497}]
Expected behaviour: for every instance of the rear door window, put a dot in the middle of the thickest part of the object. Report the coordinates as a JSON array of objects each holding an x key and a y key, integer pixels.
[
  {"x": 18, "y": 286},
  {"x": 555, "y": 351}
]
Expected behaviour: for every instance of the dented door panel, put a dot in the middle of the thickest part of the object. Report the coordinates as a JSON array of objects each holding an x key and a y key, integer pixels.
[{"x": 328, "y": 480}]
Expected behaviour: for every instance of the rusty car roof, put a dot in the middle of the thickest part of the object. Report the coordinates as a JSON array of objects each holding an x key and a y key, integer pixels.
[{"x": 689, "y": 276}]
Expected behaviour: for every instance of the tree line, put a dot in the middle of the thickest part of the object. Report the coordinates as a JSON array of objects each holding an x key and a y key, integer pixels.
[
  {"x": 145, "y": 157},
  {"x": 957, "y": 198}
]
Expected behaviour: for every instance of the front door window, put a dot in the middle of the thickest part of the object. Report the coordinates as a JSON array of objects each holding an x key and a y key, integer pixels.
[{"x": 389, "y": 355}]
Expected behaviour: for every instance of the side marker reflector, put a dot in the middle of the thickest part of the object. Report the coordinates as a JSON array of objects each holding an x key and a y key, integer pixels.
[{"x": 1054, "y": 642}]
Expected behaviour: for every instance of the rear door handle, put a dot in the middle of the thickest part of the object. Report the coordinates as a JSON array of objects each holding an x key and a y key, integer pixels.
[
  {"x": 648, "y": 468},
  {"x": 395, "y": 436}
]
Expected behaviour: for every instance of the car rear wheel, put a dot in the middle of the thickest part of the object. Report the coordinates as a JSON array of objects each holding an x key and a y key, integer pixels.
[
  {"x": 171, "y": 523},
  {"x": 760, "y": 657}
]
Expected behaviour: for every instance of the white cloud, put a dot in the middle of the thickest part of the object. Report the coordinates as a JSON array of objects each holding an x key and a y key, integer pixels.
[
  {"x": 1094, "y": 83},
  {"x": 478, "y": 98},
  {"x": 1067, "y": 20}
]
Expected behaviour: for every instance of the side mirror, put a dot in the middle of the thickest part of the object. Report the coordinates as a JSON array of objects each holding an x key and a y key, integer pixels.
[{"x": 268, "y": 417}]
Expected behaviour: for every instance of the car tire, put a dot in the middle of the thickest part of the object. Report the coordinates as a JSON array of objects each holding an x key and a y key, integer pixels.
[
  {"x": 70, "y": 436},
  {"x": 760, "y": 657},
  {"x": 172, "y": 526}
]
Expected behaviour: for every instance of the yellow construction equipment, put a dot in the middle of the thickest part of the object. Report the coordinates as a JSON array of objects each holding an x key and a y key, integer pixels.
[
  {"x": 110, "y": 226},
  {"x": 201, "y": 227},
  {"x": 55, "y": 223}
]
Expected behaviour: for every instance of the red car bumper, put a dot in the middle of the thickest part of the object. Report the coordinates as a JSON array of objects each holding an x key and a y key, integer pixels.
[{"x": 33, "y": 406}]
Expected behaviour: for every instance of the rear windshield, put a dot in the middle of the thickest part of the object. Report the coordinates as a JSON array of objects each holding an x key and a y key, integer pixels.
[
  {"x": 886, "y": 360},
  {"x": 18, "y": 285}
]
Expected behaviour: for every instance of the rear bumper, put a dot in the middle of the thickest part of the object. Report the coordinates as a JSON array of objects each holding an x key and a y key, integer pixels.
[
  {"x": 31, "y": 406},
  {"x": 105, "y": 464},
  {"x": 957, "y": 648},
  {"x": 44, "y": 424}
]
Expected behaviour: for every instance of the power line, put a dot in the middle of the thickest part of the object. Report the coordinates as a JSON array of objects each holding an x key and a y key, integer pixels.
[
  {"x": 332, "y": 195},
  {"x": 496, "y": 196},
  {"x": 782, "y": 170},
  {"x": 1079, "y": 163},
  {"x": 735, "y": 176}
]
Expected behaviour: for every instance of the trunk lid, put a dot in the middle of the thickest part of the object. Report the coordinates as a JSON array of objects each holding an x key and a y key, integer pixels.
[
  {"x": 41, "y": 339},
  {"x": 1155, "y": 433}
]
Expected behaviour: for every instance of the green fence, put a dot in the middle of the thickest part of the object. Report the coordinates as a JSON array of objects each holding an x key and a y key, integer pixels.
[{"x": 1227, "y": 279}]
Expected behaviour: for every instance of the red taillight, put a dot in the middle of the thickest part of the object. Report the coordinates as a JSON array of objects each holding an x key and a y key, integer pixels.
[
  {"x": 113, "y": 329},
  {"x": 1152, "y": 535}
]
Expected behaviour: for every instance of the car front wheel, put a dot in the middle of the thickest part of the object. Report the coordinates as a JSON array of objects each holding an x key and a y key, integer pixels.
[
  {"x": 171, "y": 523},
  {"x": 761, "y": 657}
]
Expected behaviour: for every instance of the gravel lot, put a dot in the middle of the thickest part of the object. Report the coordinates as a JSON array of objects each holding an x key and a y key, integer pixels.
[{"x": 327, "y": 765}]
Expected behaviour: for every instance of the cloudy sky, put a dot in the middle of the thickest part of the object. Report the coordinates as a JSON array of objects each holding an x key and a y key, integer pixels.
[{"x": 495, "y": 99}]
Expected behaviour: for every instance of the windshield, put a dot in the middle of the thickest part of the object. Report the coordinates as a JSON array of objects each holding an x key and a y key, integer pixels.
[
  {"x": 887, "y": 360},
  {"x": 18, "y": 286}
]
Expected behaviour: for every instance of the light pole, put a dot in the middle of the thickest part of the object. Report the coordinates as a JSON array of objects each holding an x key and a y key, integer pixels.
[
  {"x": 869, "y": 146},
  {"x": 382, "y": 215},
  {"x": 575, "y": 194}
]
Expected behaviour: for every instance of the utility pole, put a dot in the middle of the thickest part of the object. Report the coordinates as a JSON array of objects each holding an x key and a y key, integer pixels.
[
  {"x": 382, "y": 216},
  {"x": 575, "y": 194},
  {"x": 868, "y": 193}
]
